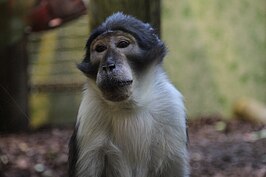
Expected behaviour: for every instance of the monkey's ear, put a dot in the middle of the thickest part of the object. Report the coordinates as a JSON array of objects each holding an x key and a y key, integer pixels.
[
  {"x": 83, "y": 67},
  {"x": 87, "y": 68}
]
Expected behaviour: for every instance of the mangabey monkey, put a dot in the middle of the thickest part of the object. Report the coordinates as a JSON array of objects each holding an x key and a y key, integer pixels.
[{"x": 131, "y": 121}]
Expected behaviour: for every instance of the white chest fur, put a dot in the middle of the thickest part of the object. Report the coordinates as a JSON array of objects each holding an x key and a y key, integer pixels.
[{"x": 132, "y": 138}]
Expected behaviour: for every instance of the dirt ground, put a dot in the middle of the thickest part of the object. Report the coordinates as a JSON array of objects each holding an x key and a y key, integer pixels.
[{"x": 217, "y": 149}]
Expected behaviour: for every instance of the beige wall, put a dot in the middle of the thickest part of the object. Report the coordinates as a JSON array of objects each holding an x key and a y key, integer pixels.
[{"x": 217, "y": 52}]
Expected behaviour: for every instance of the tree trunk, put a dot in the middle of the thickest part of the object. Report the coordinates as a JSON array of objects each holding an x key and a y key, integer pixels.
[
  {"x": 13, "y": 87},
  {"x": 13, "y": 67},
  {"x": 147, "y": 11}
]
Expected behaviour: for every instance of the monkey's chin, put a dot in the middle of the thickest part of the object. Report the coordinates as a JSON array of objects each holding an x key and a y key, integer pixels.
[
  {"x": 117, "y": 95},
  {"x": 116, "y": 98},
  {"x": 116, "y": 91}
]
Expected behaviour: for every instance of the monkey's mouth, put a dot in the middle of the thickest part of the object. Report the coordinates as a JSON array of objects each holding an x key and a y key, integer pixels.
[
  {"x": 123, "y": 83},
  {"x": 110, "y": 85},
  {"x": 116, "y": 90}
]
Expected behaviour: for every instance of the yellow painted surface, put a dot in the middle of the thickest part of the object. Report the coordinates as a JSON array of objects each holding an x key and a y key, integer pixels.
[{"x": 40, "y": 101}]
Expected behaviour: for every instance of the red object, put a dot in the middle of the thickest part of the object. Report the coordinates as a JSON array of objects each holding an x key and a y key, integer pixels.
[{"x": 53, "y": 13}]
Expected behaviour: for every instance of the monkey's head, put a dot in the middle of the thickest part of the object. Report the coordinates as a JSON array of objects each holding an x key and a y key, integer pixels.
[{"x": 118, "y": 53}]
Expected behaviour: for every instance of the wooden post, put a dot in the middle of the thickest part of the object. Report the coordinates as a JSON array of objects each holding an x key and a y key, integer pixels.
[
  {"x": 14, "y": 88},
  {"x": 147, "y": 11},
  {"x": 13, "y": 68}
]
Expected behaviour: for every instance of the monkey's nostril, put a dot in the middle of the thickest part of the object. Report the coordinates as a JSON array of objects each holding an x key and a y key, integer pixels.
[
  {"x": 104, "y": 68},
  {"x": 109, "y": 67}
]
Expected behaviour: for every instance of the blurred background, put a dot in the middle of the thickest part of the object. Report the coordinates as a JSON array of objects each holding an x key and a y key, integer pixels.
[
  {"x": 217, "y": 57},
  {"x": 217, "y": 52}
]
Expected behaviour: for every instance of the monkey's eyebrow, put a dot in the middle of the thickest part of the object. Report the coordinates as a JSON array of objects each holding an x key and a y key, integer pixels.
[{"x": 106, "y": 33}]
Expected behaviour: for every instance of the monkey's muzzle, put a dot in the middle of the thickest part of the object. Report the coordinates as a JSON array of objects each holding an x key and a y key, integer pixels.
[{"x": 116, "y": 90}]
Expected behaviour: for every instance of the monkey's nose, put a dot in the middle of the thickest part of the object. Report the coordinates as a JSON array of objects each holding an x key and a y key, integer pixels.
[{"x": 108, "y": 67}]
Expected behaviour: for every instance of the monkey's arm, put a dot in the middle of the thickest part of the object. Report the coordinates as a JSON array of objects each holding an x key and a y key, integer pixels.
[
  {"x": 85, "y": 159},
  {"x": 174, "y": 148},
  {"x": 172, "y": 134},
  {"x": 73, "y": 154}
]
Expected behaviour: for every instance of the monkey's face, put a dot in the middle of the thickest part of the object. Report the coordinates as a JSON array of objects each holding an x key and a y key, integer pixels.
[
  {"x": 119, "y": 54},
  {"x": 110, "y": 53}
]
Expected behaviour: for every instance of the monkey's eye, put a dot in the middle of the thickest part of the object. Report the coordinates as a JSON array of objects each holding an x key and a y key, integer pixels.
[
  {"x": 100, "y": 48},
  {"x": 122, "y": 44}
]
